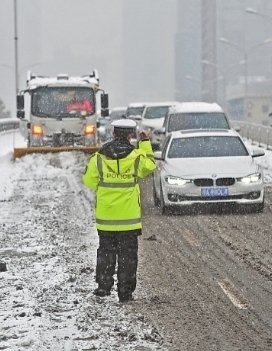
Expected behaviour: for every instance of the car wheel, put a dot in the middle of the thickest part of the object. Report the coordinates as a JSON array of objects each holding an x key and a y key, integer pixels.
[
  {"x": 258, "y": 207},
  {"x": 156, "y": 200}
]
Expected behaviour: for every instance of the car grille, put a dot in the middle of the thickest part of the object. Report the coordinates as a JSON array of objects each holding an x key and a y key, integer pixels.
[
  {"x": 180, "y": 198},
  {"x": 225, "y": 181},
  {"x": 210, "y": 182},
  {"x": 214, "y": 198},
  {"x": 203, "y": 182}
]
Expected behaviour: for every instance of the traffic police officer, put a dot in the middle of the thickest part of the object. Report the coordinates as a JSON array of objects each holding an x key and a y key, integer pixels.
[{"x": 113, "y": 173}]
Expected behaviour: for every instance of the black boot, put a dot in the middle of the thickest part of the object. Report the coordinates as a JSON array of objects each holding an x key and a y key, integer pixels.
[
  {"x": 101, "y": 292},
  {"x": 125, "y": 297}
]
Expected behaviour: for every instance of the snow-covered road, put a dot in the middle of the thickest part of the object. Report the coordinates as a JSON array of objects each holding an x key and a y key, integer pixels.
[{"x": 49, "y": 242}]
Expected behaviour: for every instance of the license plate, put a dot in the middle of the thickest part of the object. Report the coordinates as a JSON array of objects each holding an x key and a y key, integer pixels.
[{"x": 213, "y": 192}]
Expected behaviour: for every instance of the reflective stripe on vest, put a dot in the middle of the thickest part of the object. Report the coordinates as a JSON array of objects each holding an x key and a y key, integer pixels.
[
  {"x": 151, "y": 157},
  {"x": 116, "y": 185},
  {"x": 121, "y": 184},
  {"x": 118, "y": 222}
]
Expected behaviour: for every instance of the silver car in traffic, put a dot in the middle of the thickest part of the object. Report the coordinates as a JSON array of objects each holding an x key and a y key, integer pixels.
[{"x": 212, "y": 167}]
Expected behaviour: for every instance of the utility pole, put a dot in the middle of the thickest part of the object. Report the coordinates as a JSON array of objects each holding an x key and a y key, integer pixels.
[
  {"x": 16, "y": 48},
  {"x": 209, "y": 73}
]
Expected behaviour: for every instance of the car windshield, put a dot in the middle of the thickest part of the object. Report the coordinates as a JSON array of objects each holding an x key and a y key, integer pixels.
[
  {"x": 135, "y": 111},
  {"x": 211, "y": 120},
  {"x": 207, "y": 146},
  {"x": 62, "y": 102},
  {"x": 156, "y": 112},
  {"x": 117, "y": 114}
]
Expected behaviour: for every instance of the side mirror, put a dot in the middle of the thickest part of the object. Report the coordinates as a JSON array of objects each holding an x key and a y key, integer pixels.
[
  {"x": 20, "y": 102},
  {"x": 97, "y": 124},
  {"x": 257, "y": 153},
  {"x": 159, "y": 131},
  {"x": 21, "y": 114},
  {"x": 158, "y": 156},
  {"x": 136, "y": 118},
  {"x": 236, "y": 128},
  {"x": 105, "y": 112},
  {"x": 104, "y": 101}
]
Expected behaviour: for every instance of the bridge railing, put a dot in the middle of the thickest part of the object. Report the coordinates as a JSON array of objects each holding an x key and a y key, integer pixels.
[
  {"x": 9, "y": 124},
  {"x": 255, "y": 133}
]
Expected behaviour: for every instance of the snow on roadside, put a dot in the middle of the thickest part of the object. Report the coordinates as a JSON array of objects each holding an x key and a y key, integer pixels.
[{"x": 48, "y": 241}]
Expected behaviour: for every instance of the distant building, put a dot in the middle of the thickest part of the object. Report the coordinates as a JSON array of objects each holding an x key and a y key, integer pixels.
[
  {"x": 148, "y": 50},
  {"x": 245, "y": 32}
]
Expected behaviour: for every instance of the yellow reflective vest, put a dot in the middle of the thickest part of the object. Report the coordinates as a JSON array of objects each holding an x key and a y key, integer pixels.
[{"x": 116, "y": 183}]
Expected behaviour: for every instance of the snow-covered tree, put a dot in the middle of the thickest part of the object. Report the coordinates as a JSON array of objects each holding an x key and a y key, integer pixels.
[{"x": 3, "y": 113}]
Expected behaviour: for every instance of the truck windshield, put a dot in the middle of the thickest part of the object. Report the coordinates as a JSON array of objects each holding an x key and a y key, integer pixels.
[{"x": 62, "y": 102}]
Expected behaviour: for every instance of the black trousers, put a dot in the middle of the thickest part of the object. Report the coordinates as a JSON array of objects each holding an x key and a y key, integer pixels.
[{"x": 123, "y": 248}]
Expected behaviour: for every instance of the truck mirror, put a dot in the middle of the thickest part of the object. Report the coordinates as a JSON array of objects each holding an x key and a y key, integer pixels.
[
  {"x": 21, "y": 114},
  {"x": 104, "y": 101},
  {"x": 105, "y": 112},
  {"x": 20, "y": 102}
]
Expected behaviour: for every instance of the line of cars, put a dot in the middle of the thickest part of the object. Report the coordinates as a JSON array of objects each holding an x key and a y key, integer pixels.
[
  {"x": 148, "y": 116},
  {"x": 203, "y": 163}
]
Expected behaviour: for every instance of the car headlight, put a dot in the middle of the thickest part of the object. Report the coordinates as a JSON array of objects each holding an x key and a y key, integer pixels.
[
  {"x": 177, "y": 181},
  {"x": 252, "y": 178}
]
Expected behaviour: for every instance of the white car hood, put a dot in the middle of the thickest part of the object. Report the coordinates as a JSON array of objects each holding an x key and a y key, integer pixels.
[
  {"x": 206, "y": 166},
  {"x": 153, "y": 123}
]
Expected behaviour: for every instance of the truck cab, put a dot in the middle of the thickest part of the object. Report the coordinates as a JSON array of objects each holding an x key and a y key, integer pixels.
[{"x": 62, "y": 110}]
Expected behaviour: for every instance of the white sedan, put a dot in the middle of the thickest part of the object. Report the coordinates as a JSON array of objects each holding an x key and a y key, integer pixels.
[{"x": 197, "y": 167}]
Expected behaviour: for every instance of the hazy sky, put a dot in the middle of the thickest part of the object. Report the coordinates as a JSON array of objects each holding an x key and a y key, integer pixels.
[{"x": 77, "y": 36}]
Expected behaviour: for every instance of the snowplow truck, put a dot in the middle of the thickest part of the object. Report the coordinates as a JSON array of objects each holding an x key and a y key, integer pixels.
[{"x": 60, "y": 113}]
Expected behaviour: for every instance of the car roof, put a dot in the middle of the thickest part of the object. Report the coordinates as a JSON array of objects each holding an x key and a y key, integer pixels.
[
  {"x": 203, "y": 132},
  {"x": 122, "y": 108},
  {"x": 163, "y": 103},
  {"x": 196, "y": 107},
  {"x": 137, "y": 104}
]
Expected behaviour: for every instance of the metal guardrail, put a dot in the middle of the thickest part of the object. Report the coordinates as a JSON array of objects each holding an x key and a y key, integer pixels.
[
  {"x": 9, "y": 124},
  {"x": 255, "y": 133}
]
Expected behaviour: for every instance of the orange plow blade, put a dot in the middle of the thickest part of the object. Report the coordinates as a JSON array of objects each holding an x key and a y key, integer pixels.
[{"x": 19, "y": 152}]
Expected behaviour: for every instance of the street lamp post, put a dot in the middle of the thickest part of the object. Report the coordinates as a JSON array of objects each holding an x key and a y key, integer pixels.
[
  {"x": 255, "y": 12},
  {"x": 199, "y": 81},
  {"x": 223, "y": 72},
  {"x": 20, "y": 71},
  {"x": 193, "y": 79},
  {"x": 16, "y": 48},
  {"x": 245, "y": 52}
]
